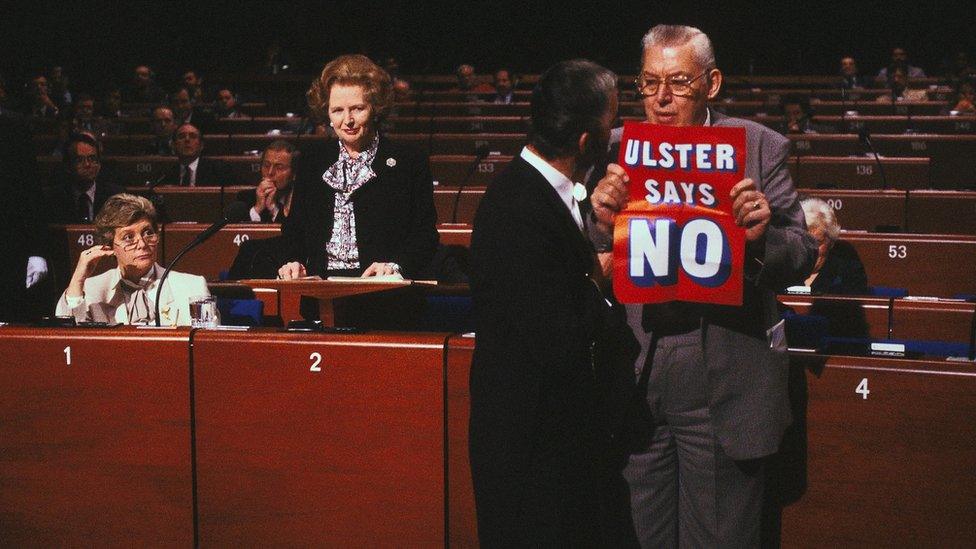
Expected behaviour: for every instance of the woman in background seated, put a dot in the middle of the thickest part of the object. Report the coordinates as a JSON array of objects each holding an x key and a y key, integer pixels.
[
  {"x": 838, "y": 269},
  {"x": 363, "y": 206},
  {"x": 128, "y": 229}
]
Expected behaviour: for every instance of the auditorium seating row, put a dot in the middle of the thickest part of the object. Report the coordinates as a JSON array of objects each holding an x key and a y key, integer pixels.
[
  {"x": 854, "y": 173},
  {"x": 952, "y": 157},
  {"x": 179, "y": 438},
  {"x": 923, "y": 265}
]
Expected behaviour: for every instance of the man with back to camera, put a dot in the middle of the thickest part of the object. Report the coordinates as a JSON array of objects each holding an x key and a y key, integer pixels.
[
  {"x": 534, "y": 439},
  {"x": 715, "y": 376}
]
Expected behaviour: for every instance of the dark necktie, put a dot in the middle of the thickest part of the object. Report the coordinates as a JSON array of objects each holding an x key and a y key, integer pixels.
[
  {"x": 187, "y": 176},
  {"x": 84, "y": 208}
]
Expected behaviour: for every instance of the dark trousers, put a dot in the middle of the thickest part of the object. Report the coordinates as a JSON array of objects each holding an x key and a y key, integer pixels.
[{"x": 684, "y": 490}]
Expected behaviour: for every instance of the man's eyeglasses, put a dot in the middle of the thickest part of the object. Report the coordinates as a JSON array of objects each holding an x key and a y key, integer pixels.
[
  {"x": 90, "y": 159},
  {"x": 129, "y": 242},
  {"x": 679, "y": 85}
]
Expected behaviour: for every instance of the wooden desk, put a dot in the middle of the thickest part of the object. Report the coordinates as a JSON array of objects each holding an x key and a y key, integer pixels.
[
  {"x": 467, "y": 203},
  {"x": 859, "y": 173},
  {"x": 95, "y": 452},
  {"x": 942, "y": 212},
  {"x": 216, "y": 254},
  {"x": 452, "y": 170},
  {"x": 894, "y": 469},
  {"x": 462, "y": 521},
  {"x": 329, "y": 295},
  {"x": 848, "y": 316},
  {"x": 864, "y": 210},
  {"x": 942, "y": 320},
  {"x": 928, "y": 265},
  {"x": 320, "y": 440},
  {"x": 455, "y": 234}
]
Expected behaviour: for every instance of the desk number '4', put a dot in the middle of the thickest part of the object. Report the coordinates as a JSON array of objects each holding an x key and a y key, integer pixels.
[{"x": 862, "y": 389}]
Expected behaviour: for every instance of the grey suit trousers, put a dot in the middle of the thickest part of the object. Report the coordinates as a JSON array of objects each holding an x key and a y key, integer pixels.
[{"x": 684, "y": 490}]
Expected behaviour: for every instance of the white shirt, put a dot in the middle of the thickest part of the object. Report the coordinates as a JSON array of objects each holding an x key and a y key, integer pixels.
[{"x": 562, "y": 184}]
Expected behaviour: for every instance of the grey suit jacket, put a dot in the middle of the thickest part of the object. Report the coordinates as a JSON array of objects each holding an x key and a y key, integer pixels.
[{"x": 745, "y": 347}]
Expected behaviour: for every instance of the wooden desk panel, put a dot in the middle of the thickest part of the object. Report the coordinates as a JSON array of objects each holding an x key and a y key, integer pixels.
[
  {"x": 454, "y": 170},
  {"x": 216, "y": 254},
  {"x": 457, "y": 234},
  {"x": 346, "y": 450},
  {"x": 456, "y": 124},
  {"x": 467, "y": 203},
  {"x": 96, "y": 452},
  {"x": 928, "y": 265},
  {"x": 891, "y": 470},
  {"x": 859, "y": 173},
  {"x": 497, "y": 144},
  {"x": 942, "y": 212},
  {"x": 187, "y": 204},
  {"x": 848, "y": 316},
  {"x": 462, "y": 520},
  {"x": 67, "y": 243},
  {"x": 935, "y": 321},
  {"x": 864, "y": 210}
]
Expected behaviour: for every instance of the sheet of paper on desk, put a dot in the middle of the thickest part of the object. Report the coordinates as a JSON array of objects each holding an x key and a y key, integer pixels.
[{"x": 377, "y": 279}]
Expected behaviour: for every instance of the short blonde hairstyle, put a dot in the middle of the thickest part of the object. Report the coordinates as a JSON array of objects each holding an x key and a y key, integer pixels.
[
  {"x": 122, "y": 210},
  {"x": 351, "y": 70}
]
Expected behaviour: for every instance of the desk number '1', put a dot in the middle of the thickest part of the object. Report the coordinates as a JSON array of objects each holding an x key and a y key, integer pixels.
[{"x": 67, "y": 355}]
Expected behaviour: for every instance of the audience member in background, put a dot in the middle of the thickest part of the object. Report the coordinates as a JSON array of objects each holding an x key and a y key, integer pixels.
[
  {"x": 796, "y": 116},
  {"x": 5, "y": 101},
  {"x": 39, "y": 102},
  {"x": 226, "y": 104},
  {"x": 143, "y": 87},
  {"x": 467, "y": 81},
  {"x": 59, "y": 87},
  {"x": 127, "y": 228},
  {"x": 504, "y": 87},
  {"x": 365, "y": 205},
  {"x": 185, "y": 112},
  {"x": 85, "y": 119},
  {"x": 898, "y": 86},
  {"x": 899, "y": 57},
  {"x": 163, "y": 125},
  {"x": 850, "y": 77},
  {"x": 194, "y": 84},
  {"x": 194, "y": 170},
  {"x": 84, "y": 188},
  {"x": 838, "y": 269},
  {"x": 21, "y": 232},
  {"x": 112, "y": 103},
  {"x": 270, "y": 202},
  {"x": 959, "y": 68},
  {"x": 275, "y": 60},
  {"x": 401, "y": 90},
  {"x": 965, "y": 100}
]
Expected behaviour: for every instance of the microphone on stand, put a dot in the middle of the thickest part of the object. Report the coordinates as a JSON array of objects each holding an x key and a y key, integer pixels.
[
  {"x": 156, "y": 198},
  {"x": 235, "y": 213},
  {"x": 480, "y": 154},
  {"x": 865, "y": 138}
]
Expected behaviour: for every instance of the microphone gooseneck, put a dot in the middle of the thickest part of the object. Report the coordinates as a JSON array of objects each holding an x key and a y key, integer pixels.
[
  {"x": 480, "y": 154},
  {"x": 865, "y": 138},
  {"x": 235, "y": 213}
]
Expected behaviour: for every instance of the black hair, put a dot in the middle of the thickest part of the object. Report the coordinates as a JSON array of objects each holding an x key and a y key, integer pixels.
[{"x": 570, "y": 99}]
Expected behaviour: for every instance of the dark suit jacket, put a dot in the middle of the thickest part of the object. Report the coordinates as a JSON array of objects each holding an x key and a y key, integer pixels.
[
  {"x": 22, "y": 233},
  {"x": 210, "y": 173},
  {"x": 395, "y": 217},
  {"x": 841, "y": 273},
  {"x": 745, "y": 347},
  {"x": 533, "y": 427},
  {"x": 64, "y": 206},
  {"x": 249, "y": 196}
]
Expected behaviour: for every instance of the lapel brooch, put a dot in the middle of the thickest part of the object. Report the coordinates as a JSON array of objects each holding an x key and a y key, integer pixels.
[{"x": 391, "y": 162}]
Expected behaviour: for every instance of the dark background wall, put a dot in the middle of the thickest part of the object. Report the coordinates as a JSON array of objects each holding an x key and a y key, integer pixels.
[{"x": 96, "y": 42}]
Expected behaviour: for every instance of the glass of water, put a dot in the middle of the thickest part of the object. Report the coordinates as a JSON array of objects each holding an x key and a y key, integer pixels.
[{"x": 203, "y": 312}]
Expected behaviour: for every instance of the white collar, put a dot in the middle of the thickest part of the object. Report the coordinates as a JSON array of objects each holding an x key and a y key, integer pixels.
[
  {"x": 562, "y": 184},
  {"x": 193, "y": 165},
  {"x": 708, "y": 117}
]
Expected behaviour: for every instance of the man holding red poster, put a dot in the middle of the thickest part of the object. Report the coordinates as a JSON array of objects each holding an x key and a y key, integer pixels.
[
  {"x": 705, "y": 228},
  {"x": 677, "y": 239}
]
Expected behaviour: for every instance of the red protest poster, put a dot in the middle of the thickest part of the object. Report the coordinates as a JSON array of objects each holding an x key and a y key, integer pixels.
[{"x": 677, "y": 239}]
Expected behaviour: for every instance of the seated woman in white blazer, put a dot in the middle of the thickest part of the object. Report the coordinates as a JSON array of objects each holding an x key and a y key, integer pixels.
[{"x": 128, "y": 229}]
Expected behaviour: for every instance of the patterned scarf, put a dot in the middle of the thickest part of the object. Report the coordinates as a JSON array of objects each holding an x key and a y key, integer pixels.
[
  {"x": 137, "y": 306},
  {"x": 345, "y": 176}
]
